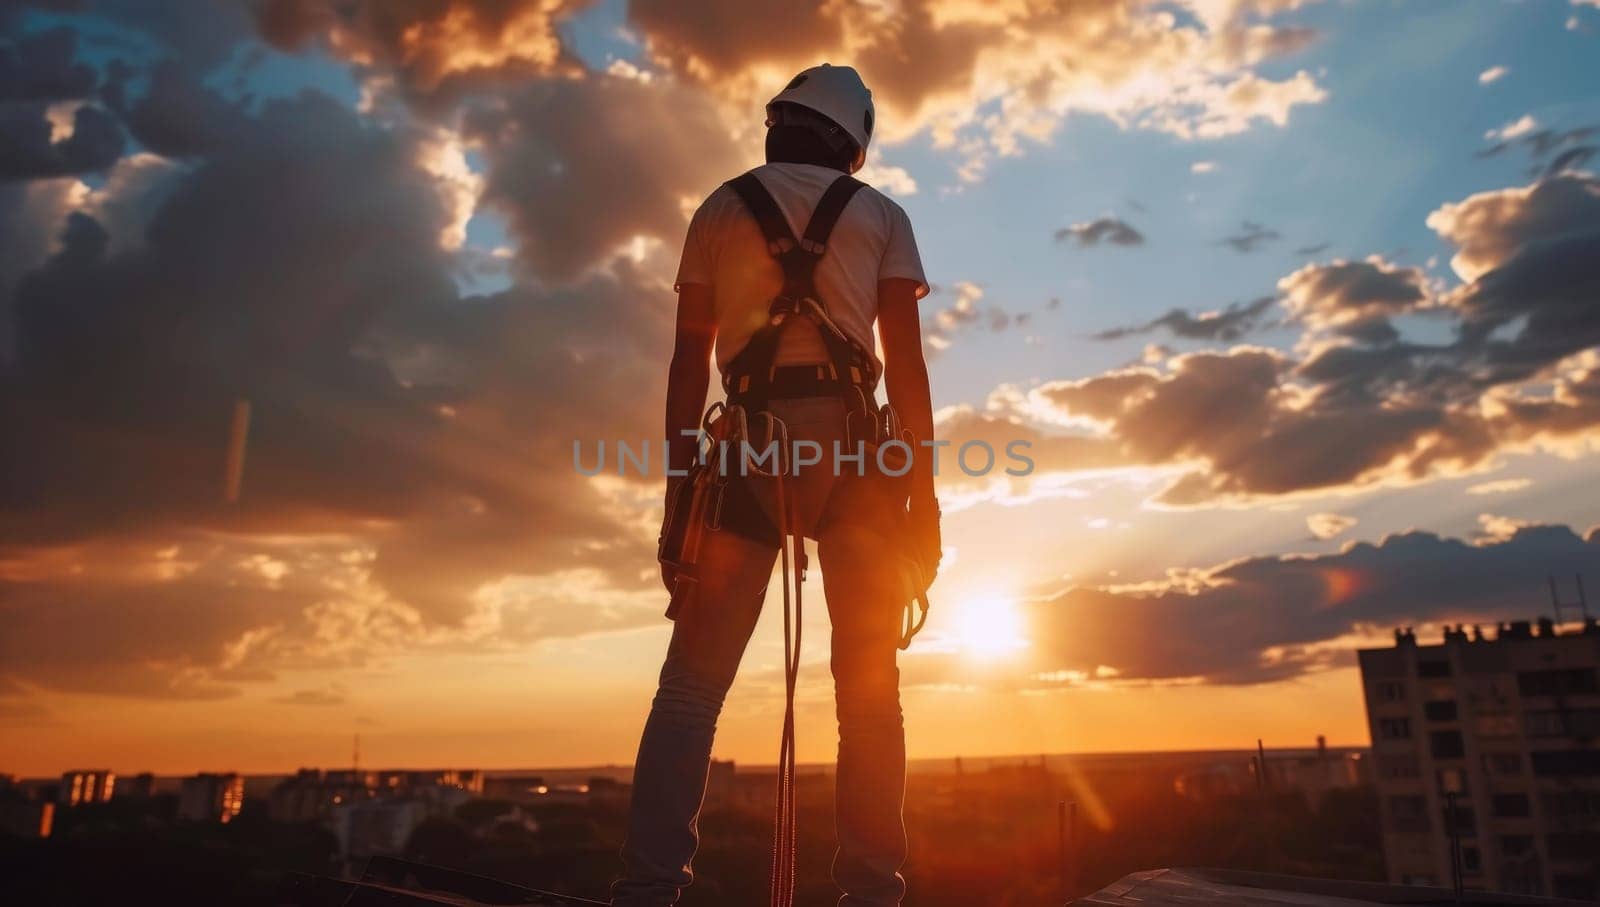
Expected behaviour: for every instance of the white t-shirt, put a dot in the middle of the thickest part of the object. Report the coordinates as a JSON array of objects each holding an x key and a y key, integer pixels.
[{"x": 724, "y": 250}]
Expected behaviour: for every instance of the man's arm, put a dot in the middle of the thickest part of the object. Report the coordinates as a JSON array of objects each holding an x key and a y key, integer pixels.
[
  {"x": 689, "y": 376},
  {"x": 905, "y": 373}
]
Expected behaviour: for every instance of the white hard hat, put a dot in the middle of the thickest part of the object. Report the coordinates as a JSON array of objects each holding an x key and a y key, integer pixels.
[{"x": 837, "y": 93}]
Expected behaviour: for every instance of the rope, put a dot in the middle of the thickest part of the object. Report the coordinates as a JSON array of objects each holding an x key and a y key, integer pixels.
[{"x": 791, "y": 550}]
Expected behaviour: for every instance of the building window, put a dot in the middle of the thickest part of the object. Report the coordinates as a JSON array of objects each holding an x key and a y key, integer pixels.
[
  {"x": 1516, "y": 845},
  {"x": 1394, "y": 728},
  {"x": 1573, "y": 845},
  {"x": 1545, "y": 724},
  {"x": 1434, "y": 668},
  {"x": 1503, "y": 765},
  {"x": 1495, "y": 726},
  {"x": 1471, "y": 861},
  {"x": 1567, "y": 763},
  {"x": 1397, "y": 767},
  {"x": 1557, "y": 682},
  {"x": 1446, "y": 745},
  {"x": 1511, "y": 806},
  {"x": 1576, "y": 806},
  {"x": 1409, "y": 814},
  {"x": 1444, "y": 710},
  {"x": 1392, "y": 691}
]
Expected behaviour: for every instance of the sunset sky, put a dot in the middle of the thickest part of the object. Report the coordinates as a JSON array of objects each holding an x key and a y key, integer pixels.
[{"x": 1297, "y": 301}]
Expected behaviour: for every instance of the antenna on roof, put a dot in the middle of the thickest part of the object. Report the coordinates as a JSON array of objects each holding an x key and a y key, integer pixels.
[{"x": 1582, "y": 603}]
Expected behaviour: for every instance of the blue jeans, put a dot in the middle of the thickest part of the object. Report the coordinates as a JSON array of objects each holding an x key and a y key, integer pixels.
[{"x": 866, "y": 589}]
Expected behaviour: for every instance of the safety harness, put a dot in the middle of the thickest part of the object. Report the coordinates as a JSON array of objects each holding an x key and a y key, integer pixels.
[{"x": 752, "y": 380}]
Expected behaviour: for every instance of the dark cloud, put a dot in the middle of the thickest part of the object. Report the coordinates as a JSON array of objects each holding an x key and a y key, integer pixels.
[
  {"x": 1359, "y": 405},
  {"x": 1051, "y": 452},
  {"x": 1107, "y": 229},
  {"x": 435, "y": 50},
  {"x": 723, "y": 37},
  {"x": 967, "y": 311},
  {"x": 1541, "y": 143},
  {"x": 931, "y": 62},
  {"x": 1251, "y": 235},
  {"x": 1490, "y": 227},
  {"x": 1354, "y": 299},
  {"x": 179, "y": 116},
  {"x": 1314, "y": 249},
  {"x": 299, "y": 267},
  {"x": 1229, "y": 324},
  {"x": 1268, "y": 618},
  {"x": 30, "y": 149},
  {"x": 43, "y": 66},
  {"x": 625, "y": 154},
  {"x": 1571, "y": 159}
]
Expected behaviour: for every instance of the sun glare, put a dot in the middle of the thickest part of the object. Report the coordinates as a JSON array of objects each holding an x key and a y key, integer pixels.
[{"x": 990, "y": 627}]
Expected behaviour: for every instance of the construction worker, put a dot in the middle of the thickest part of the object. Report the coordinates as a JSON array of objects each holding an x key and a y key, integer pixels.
[{"x": 808, "y": 367}]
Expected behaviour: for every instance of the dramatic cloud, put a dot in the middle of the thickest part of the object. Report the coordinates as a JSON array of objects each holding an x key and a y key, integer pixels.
[
  {"x": 629, "y": 155},
  {"x": 39, "y": 140},
  {"x": 431, "y": 49},
  {"x": 1107, "y": 229},
  {"x": 1488, "y": 228},
  {"x": 44, "y": 67},
  {"x": 936, "y": 64},
  {"x": 409, "y": 457},
  {"x": 1357, "y": 405},
  {"x": 172, "y": 245},
  {"x": 1269, "y": 618},
  {"x": 1227, "y": 325},
  {"x": 1353, "y": 298}
]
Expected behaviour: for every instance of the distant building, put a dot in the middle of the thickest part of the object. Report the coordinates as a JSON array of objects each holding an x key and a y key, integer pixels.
[
  {"x": 1510, "y": 724},
  {"x": 141, "y": 786},
  {"x": 208, "y": 797},
  {"x": 516, "y": 788},
  {"x": 25, "y": 818},
  {"x": 304, "y": 796},
  {"x": 86, "y": 786},
  {"x": 367, "y": 828}
]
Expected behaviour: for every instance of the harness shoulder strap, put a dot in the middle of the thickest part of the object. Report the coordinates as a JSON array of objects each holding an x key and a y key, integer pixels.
[
  {"x": 764, "y": 208},
  {"x": 826, "y": 215},
  {"x": 752, "y": 368}
]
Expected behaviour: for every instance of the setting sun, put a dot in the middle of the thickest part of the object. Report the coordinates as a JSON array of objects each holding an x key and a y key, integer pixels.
[{"x": 990, "y": 626}]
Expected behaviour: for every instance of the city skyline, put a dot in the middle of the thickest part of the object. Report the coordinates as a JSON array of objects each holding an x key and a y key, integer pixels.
[{"x": 302, "y": 305}]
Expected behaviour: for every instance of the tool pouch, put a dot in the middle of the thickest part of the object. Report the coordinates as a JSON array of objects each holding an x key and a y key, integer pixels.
[
  {"x": 873, "y": 427},
  {"x": 682, "y": 529},
  {"x": 716, "y": 495}
]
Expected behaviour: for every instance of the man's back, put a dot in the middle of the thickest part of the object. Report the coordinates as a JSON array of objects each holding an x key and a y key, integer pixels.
[{"x": 724, "y": 250}]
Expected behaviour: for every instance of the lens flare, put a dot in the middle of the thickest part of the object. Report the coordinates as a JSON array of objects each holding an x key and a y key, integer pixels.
[{"x": 990, "y": 627}]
